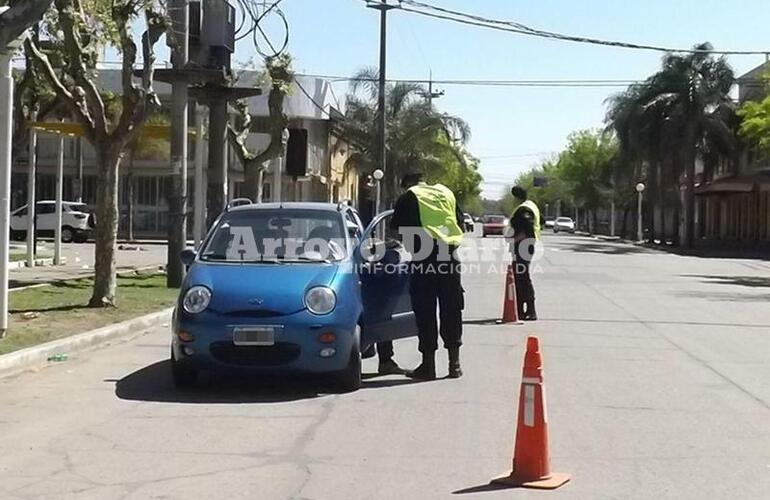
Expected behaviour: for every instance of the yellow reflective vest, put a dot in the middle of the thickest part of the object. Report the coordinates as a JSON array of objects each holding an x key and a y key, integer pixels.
[
  {"x": 532, "y": 207},
  {"x": 438, "y": 212}
]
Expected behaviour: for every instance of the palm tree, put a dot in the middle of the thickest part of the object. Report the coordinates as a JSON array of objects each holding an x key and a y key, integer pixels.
[
  {"x": 417, "y": 134},
  {"x": 678, "y": 113}
]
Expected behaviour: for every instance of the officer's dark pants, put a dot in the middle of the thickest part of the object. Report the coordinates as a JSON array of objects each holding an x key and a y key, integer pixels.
[
  {"x": 437, "y": 283},
  {"x": 525, "y": 291}
]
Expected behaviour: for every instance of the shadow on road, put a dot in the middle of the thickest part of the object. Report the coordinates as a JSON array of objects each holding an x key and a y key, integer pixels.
[
  {"x": 605, "y": 248},
  {"x": 748, "y": 281},
  {"x": 153, "y": 383},
  {"x": 482, "y": 488}
]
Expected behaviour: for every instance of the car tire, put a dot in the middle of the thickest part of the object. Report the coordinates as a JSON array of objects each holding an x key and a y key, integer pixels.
[
  {"x": 349, "y": 380},
  {"x": 183, "y": 376},
  {"x": 67, "y": 234},
  {"x": 18, "y": 235}
]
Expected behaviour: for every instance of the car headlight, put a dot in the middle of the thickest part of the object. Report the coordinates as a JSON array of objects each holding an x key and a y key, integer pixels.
[
  {"x": 320, "y": 300},
  {"x": 196, "y": 300}
]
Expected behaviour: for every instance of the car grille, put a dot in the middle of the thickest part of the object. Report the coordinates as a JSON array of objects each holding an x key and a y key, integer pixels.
[
  {"x": 256, "y": 313},
  {"x": 274, "y": 355}
]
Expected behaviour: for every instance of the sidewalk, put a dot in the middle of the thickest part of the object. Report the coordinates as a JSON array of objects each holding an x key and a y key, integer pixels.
[{"x": 79, "y": 263}]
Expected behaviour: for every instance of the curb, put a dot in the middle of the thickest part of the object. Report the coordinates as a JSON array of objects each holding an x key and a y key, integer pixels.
[
  {"x": 36, "y": 357},
  {"x": 22, "y": 264}
]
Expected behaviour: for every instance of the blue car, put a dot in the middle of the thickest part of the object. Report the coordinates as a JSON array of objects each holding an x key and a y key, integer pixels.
[{"x": 292, "y": 287}]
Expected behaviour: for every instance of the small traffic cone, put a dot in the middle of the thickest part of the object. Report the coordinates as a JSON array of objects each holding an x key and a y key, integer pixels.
[
  {"x": 510, "y": 307},
  {"x": 531, "y": 460}
]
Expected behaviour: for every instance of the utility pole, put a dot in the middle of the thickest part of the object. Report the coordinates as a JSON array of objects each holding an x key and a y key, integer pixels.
[
  {"x": 382, "y": 149},
  {"x": 433, "y": 95},
  {"x": 31, "y": 175},
  {"x": 177, "y": 227}
]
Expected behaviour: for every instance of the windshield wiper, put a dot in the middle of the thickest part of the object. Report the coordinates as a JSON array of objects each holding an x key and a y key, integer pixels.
[{"x": 303, "y": 258}]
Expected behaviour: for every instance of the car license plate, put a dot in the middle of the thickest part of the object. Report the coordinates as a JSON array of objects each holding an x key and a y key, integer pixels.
[{"x": 254, "y": 335}]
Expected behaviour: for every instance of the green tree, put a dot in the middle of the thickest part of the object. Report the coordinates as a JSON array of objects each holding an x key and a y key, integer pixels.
[
  {"x": 78, "y": 31},
  {"x": 755, "y": 121},
  {"x": 586, "y": 165},
  {"x": 418, "y": 136}
]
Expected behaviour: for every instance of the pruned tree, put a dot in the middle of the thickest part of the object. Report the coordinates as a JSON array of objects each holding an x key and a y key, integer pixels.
[
  {"x": 254, "y": 164},
  {"x": 108, "y": 133}
]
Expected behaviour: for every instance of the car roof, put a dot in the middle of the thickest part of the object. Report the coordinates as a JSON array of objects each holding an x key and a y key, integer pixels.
[{"x": 294, "y": 205}]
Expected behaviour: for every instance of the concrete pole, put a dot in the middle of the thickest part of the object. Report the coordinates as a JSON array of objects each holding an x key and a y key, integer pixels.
[
  {"x": 6, "y": 112},
  {"x": 639, "y": 228},
  {"x": 31, "y": 175},
  {"x": 79, "y": 160},
  {"x": 199, "y": 210},
  {"x": 218, "y": 159},
  {"x": 58, "y": 217},
  {"x": 612, "y": 218},
  {"x": 177, "y": 230}
]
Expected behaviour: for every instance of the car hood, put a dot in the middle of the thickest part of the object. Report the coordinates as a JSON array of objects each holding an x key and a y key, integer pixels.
[{"x": 273, "y": 289}]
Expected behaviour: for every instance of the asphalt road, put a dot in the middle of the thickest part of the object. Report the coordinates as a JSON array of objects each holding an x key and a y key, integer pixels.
[{"x": 657, "y": 372}]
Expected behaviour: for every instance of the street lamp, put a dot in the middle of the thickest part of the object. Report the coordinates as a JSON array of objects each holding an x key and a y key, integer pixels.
[
  {"x": 639, "y": 232},
  {"x": 280, "y": 165},
  {"x": 378, "y": 176}
]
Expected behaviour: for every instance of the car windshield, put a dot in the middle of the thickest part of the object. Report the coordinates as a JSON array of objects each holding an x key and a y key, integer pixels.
[
  {"x": 277, "y": 236},
  {"x": 495, "y": 219},
  {"x": 564, "y": 219}
]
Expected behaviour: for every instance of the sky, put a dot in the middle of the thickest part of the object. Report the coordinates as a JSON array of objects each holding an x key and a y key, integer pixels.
[{"x": 515, "y": 128}]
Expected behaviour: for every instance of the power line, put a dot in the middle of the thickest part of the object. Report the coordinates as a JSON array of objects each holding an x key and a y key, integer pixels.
[
  {"x": 302, "y": 89},
  {"x": 489, "y": 83},
  {"x": 433, "y": 11}
]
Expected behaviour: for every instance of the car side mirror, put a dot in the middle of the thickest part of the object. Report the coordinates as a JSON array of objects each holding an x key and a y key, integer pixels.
[{"x": 188, "y": 256}]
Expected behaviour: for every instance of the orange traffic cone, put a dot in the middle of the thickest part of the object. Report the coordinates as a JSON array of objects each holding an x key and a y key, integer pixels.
[
  {"x": 531, "y": 460},
  {"x": 510, "y": 309}
]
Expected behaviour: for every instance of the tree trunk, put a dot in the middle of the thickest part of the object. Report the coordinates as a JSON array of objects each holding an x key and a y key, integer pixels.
[
  {"x": 688, "y": 200},
  {"x": 653, "y": 199},
  {"x": 252, "y": 180},
  {"x": 626, "y": 210},
  {"x": 106, "y": 230},
  {"x": 130, "y": 183}
]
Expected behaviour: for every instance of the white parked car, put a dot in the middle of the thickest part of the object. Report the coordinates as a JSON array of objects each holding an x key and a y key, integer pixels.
[
  {"x": 549, "y": 222},
  {"x": 77, "y": 221},
  {"x": 564, "y": 224}
]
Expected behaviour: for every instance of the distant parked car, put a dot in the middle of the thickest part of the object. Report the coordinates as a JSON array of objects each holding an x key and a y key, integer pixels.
[
  {"x": 77, "y": 221},
  {"x": 494, "y": 224},
  {"x": 549, "y": 222},
  {"x": 564, "y": 224},
  {"x": 468, "y": 223}
]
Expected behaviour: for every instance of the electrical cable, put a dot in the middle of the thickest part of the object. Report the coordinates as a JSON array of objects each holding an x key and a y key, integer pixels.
[{"x": 433, "y": 11}]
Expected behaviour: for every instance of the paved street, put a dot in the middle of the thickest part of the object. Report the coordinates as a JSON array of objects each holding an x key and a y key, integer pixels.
[{"x": 657, "y": 371}]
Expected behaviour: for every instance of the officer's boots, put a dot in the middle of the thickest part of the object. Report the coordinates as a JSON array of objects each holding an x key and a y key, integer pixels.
[
  {"x": 454, "y": 363},
  {"x": 427, "y": 369}
]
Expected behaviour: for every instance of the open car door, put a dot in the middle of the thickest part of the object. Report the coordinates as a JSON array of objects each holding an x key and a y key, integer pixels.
[{"x": 387, "y": 305}]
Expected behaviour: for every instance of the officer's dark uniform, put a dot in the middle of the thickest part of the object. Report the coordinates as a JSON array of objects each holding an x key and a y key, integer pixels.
[
  {"x": 433, "y": 282},
  {"x": 523, "y": 222}
]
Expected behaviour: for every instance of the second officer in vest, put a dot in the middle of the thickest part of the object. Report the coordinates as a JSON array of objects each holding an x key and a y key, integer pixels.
[
  {"x": 525, "y": 223},
  {"x": 432, "y": 212}
]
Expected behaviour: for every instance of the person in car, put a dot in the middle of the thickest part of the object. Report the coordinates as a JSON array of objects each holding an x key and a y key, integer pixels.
[
  {"x": 432, "y": 211},
  {"x": 525, "y": 225}
]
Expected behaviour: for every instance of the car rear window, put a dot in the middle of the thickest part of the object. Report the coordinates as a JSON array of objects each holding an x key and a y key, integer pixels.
[{"x": 495, "y": 219}]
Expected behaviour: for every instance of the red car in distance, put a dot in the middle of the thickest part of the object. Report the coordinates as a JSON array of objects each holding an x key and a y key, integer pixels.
[{"x": 493, "y": 224}]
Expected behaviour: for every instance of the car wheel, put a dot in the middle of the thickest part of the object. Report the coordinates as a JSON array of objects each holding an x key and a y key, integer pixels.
[
  {"x": 67, "y": 234},
  {"x": 349, "y": 380},
  {"x": 183, "y": 376},
  {"x": 18, "y": 235}
]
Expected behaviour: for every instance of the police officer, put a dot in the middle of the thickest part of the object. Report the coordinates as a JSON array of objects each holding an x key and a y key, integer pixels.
[
  {"x": 429, "y": 213},
  {"x": 525, "y": 224}
]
